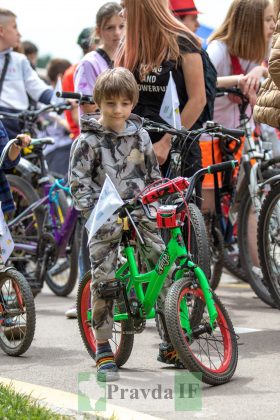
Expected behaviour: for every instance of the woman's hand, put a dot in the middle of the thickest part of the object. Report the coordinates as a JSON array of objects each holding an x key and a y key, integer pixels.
[
  {"x": 162, "y": 148},
  {"x": 252, "y": 80}
]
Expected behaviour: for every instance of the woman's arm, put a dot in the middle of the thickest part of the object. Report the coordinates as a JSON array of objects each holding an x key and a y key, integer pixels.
[
  {"x": 195, "y": 86},
  {"x": 194, "y": 80}
]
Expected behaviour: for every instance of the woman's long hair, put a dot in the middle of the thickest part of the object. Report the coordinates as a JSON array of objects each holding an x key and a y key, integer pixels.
[
  {"x": 243, "y": 30},
  {"x": 151, "y": 36},
  {"x": 277, "y": 7}
]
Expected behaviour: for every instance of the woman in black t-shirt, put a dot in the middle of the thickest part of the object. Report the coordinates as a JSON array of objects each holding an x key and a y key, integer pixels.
[{"x": 155, "y": 44}]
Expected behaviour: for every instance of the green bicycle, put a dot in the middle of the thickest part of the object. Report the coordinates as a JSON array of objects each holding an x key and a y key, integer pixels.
[{"x": 195, "y": 321}]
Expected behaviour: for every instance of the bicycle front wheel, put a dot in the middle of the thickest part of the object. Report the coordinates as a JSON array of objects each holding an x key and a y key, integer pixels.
[
  {"x": 213, "y": 353},
  {"x": 247, "y": 242},
  {"x": 17, "y": 313},
  {"x": 123, "y": 331},
  {"x": 269, "y": 242}
]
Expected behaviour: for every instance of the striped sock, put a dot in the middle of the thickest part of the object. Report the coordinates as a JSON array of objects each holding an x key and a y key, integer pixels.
[{"x": 104, "y": 358}]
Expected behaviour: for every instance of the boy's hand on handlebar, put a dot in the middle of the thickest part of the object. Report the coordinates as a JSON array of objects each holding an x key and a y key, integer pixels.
[
  {"x": 25, "y": 141},
  {"x": 162, "y": 148}
]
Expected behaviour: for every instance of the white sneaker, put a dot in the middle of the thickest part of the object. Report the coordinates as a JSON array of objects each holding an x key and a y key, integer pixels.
[{"x": 71, "y": 313}]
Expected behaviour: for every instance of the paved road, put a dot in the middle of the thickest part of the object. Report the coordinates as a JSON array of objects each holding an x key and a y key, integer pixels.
[{"x": 57, "y": 357}]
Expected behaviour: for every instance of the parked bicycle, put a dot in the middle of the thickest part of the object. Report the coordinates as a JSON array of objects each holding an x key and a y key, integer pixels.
[
  {"x": 17, "y": 309},
  {"x": 269, "y": 238},
  {"x": 193, "y": 316},
  {"x": 46, "y": 238},
  {"x": 214, "y": 229},
  {"x": 257, "y": 165}
]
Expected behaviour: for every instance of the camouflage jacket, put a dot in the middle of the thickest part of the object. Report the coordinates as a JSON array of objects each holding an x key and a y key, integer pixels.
[{"x": 127, "y": 157}]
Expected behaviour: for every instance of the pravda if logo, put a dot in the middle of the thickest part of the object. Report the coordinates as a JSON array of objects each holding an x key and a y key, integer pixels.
[{"x": 143, "y": 391}]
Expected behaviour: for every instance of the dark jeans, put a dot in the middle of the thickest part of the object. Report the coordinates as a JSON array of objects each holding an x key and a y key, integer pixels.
[{"x": 58, "y": 160}]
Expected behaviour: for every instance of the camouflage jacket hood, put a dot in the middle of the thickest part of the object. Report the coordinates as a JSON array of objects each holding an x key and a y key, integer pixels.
[
  {"x": 89, "y": 122},
  {"x": 127, "y": 157}
]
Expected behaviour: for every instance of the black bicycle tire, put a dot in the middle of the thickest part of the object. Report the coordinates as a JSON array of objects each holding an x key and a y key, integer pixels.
[
  {"x": 234, "y": 269},
  {"x": 31, "y": 196},
  {"x": 26, "y": 293},
  {"x": 66, "y": 289},
  {"x": 201, "y": 238},
  {"x": 127, "y": 338},
  {"x": 256, "y": 282},
  {"x": 178, "y": 338},
  {"x": 263, "y": 225},
  {"x": 218, "y": 265}
]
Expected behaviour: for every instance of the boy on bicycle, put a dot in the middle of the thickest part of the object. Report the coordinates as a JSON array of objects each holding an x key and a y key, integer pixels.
[{"x": 115, "y": 143}]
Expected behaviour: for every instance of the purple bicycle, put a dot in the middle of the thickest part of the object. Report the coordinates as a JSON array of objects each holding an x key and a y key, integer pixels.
[{"x": 45, "y": 235}]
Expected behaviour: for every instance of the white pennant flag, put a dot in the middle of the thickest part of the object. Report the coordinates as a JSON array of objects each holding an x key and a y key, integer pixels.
[
  {"x": 169, "y": 110},
  {"x": 6, "y": 242},
  {"x": 58, "y": 88},
  {"x": 109, "y": 201}
]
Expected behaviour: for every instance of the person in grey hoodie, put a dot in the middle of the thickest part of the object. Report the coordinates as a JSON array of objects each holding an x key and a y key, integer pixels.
[{"x": 113, "y": 143}]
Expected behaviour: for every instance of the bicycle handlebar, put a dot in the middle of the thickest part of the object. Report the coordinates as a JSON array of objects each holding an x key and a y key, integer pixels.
[
  {"x": 34, "y": 142},
  {"x": 33, "y": 115},
  {"x": 83, "y": 99},
  {"x": 180, "y": 184},
  {"x": 209, "y": 126}
]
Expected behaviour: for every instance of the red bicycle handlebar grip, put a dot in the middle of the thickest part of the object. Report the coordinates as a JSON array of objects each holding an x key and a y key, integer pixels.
[{"x": 169, "y": 187}]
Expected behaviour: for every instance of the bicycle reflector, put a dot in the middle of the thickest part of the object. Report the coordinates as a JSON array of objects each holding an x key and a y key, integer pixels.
[
  {"x": 167, "y": 188},
  {"x": 166, "y": 217}
]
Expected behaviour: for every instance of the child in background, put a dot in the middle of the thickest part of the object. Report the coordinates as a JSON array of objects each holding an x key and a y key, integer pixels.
[
  {"x": 57, "y": 154},
  {"x": 115, "y": 139}
]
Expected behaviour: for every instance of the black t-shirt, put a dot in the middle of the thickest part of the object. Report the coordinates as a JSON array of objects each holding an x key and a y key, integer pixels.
[{"x": 152, "y": 89}]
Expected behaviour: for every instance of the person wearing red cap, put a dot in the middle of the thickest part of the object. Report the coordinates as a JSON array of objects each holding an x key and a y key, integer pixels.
[{"x": 186, "y": 11}]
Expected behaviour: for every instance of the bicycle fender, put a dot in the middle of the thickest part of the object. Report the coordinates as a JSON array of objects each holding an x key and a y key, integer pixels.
[{"x": 273, "y": 180}]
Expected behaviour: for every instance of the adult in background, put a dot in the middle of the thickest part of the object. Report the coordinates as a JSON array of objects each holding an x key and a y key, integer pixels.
[
  {"x": 237, "y": 49},
  {"x": 18, "y": 79},
  {"x": 267, "y": 109},
  {"x": 177, "y": 51},
  {"x": 186, "y": 11},
  {"x": 165, "y": 46}
]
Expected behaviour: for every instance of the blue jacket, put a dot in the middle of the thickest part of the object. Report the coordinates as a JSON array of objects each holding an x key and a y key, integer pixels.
[{"x": 5, "y": 193}]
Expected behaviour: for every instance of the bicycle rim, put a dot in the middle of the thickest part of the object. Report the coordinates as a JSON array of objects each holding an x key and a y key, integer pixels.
[
  {"x": 17, "y": 313},
  {"x": 210, "y": 352},
  {"x": 123, "y": 334}
]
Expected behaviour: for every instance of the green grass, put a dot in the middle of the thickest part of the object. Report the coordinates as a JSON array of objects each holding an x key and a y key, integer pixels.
[{"x": 14, "y": 406}]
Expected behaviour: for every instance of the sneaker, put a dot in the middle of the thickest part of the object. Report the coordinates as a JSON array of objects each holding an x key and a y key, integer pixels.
[
  {"x": 71, "y": 313},
  {"x": 168, "y": 355},
  {"x": 106, "y": 371}
]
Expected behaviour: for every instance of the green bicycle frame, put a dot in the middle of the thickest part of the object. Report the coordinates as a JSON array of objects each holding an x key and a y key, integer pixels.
[{"x": 175, "y": 251}]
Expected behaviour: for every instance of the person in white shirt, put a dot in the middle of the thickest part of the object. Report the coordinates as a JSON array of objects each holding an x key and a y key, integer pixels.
[
  {"x": 17, "y": 78},
  {"x": 244, "y": 37}
]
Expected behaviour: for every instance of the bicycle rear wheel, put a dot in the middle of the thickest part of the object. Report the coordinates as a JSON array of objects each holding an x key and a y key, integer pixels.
[
  {"x": 26, "y": 231},
  {"x": 269, "y": 242},
  {"x": 214, "y": 354},
  {"x": 17, "y": 313},
  {"x": 123, "y": 331}
]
